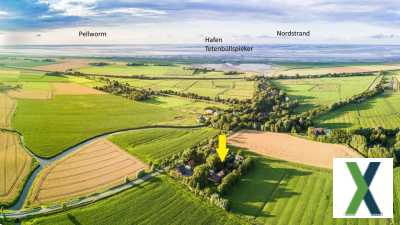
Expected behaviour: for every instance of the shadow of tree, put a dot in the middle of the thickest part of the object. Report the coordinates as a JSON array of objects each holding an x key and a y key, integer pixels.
[{"x": 73, "y": 219}]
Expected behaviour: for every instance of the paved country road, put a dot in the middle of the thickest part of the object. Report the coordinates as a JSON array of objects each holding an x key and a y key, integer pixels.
[{"x": 21, "y": 214}]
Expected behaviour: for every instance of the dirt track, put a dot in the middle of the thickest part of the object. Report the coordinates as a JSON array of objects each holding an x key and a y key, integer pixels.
[
  {"x": 95, "y": 167},
  {"x": 290, "y": 148}
]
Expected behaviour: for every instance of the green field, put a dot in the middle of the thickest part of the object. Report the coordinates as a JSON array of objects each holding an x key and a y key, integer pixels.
[
  {"x": 23, "y": 62},
  {"x": 158, "y": 201},
  {"x": 383, "y": 111},
  {"x": 281, "y": 193},
  {"x": 225, "y": 88},
  {"x": 156, "y": 144},
  {"x": 50, "y": 126},
  {"x": 323, "y": 91},
  {"x": 137, "y": 70}
]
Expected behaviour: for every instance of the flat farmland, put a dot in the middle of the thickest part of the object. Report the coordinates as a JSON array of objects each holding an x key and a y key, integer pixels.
[
  {"x": 187, "y": 110},
  {"x": 96, "y": 166},
  {"x": 149, "y": 70},
  {"x": 323, "y": 91},
  {"x": 240, "y": 89},
  {"x": 15, "y": 166},
  {"x": 50, "y": 126},
  {"x": 383, "y": 111},
  {"x": 290, "y": 148},
  {"x": 7, "y": 107},
  {"x": 24, "y": 62},
  {"x": 157, "y": 144},
  {"x": 337, "y": 69},
  {"x": 158, "y": 201},
  {"x": 280, "y": 193},
  {"x": 64, "y": 65},
  {"x": 74, "y": 89}
]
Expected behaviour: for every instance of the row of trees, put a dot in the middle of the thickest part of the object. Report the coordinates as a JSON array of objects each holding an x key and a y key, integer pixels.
[
  {"x": 7, "y": 87},
  {"x": 125, "y": 90},
  {"x": 370, "y": 142},
  {"x": 298, "y": 76},
  {"x": 191, "y": 95}
]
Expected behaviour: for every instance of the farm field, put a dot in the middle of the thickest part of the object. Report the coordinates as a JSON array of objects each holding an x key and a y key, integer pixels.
[
  {"x": 336, "y": 69},
  {"x": 158, "y": 201},
  {"x": 63, "y": 65},
  {"x": 149, "y": 70},
  {"x": 7, "y": 107},
  {"x": 280, "y": 193},
  {"x": 24, "y": 62},
  {"x": 290, "y": 148},
  {"x": 381, "y": 111},
  {"x": 240, "y": 89},
  {"x": 157, "y": 144},
  {"x": 323, "y": 91},
  {"x": 94, "y": 167},
  {"x": 119, "y": 69},
  {"x": 50, "y": 126},
  {"x": 15, "y": 166}
]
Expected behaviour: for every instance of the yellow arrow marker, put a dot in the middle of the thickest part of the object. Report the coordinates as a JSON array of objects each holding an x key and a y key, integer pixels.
[{"x": 222, "y": 150}]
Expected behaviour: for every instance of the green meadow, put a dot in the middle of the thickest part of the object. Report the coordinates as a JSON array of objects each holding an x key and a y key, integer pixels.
[
  {"x": 225, "y": 88},
  {"x": 380, "y": 111},
  {"x": 149, "y": 70},
  {"x": 24, "y": 62},
  {"x": 281, "y": 193},
  {"x": 158, "y": 201},
  {"x": 50, "y": 126},
  {"x": 323, "y": 91},
  {"x": 157, "y": 144}
]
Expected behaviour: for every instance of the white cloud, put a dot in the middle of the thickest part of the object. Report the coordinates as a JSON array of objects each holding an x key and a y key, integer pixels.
[
  {"x": 3, "y": 13},
  {"x": 136, "y": 12},
  {"x": 72, "y": 7}
]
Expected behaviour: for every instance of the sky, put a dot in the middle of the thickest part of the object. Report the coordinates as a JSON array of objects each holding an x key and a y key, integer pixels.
[{"x": 190, "y": 21}]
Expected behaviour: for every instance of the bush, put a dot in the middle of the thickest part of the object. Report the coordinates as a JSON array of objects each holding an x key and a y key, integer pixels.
[
  {"x": 359, "y": 143},
  {"x": 228, "y": 181},
  {"x": 141, "y": 173}
]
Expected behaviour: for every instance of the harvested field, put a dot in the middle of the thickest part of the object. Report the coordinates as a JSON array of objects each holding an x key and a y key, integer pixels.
[
  {"x": 74, "y": 89},
  {"x": 15, "y": 165},
  {"x": 30, "y": 94},
  {"x": 95, "y": 167},
  {"x": 65, "y": 65},
  {"x": 289, "y": 148},
  {"x": 7, "y": 107}
]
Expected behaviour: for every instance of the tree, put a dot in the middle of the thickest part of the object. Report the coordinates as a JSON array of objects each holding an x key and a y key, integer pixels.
[
  {"x": 199, "y": 177},
  {"x": 359, "y": 143}
]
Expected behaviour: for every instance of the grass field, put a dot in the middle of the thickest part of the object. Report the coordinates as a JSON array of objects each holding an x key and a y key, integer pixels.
[
  {"x": 323, "y": 91},
  {"x": 280, "y": 193},
  {"x": 15, "y": 166},
  {"x": 97, "y": 166},
  {"x": 50, "y": 126},
  {"x": 383, "y": 111},
  {"x": 156, "y": 144},
  {"x": 7, "y": 107},
  {"x": 137, "y": 70},
  {"x": 23, "y": 62},
  {"x": 158, "y": 201},
  {"x": 213, "y": 88}
]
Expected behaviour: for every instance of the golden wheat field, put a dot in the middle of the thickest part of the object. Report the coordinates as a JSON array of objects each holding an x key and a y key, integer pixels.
[
  {"x": 15, "y": 166},
  {"x": 7, "y": 107},
  {"x": 95, "y": 167}
]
